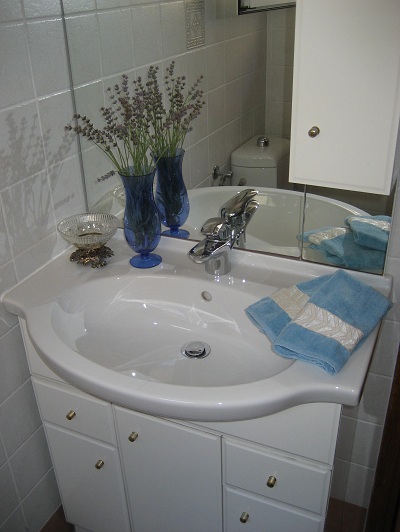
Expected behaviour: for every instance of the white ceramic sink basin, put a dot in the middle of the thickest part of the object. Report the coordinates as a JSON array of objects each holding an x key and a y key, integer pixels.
[
  {"x": 142, "y": 324},
  {"x": 117, "y": 333}
]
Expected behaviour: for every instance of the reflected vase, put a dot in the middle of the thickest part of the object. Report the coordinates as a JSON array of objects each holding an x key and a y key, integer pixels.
[
  {"x": 142, "y": 226},
  {"x": 171, "y": 195}
]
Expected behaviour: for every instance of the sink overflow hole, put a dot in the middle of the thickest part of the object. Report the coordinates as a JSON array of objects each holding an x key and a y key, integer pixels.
[
  {"x": 206, "y": 296},
  {"x": 195, "y": 350}
]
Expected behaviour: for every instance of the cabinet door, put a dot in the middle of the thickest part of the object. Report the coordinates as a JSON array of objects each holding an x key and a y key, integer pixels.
[
  {"x": 346, "y": 82},
  {"x": 173, "y": 475},
  {"x": 92, "y": 492},
  {"x": 245, "y": 512}
]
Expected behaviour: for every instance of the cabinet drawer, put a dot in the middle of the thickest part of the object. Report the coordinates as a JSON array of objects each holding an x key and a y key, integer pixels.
[
  {"x": 297, "y": 483},
  {"x": 86, "y": 414},
  {"x": 264, "y": 515}
]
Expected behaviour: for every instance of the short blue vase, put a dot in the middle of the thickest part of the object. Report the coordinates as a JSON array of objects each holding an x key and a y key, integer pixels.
[
  {"x": 171, "y": 195},
  {"x": 142, "y": 226}
]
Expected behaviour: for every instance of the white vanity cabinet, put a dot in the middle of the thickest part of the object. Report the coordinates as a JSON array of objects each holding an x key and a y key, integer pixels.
[
  {"x": 173, "y": 474},
  {"x": 85, "y": 457},
  {"x": 122, "y": 470},
  {"x": 346, "y": 94}
]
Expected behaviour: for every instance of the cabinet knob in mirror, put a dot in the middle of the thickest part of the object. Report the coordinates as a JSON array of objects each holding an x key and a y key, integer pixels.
[
  {"x": 314, "y": 131},
  {"x": 244, "y": 517},
  {"x": 71, "y": 414},
  {"x": 271, "y": 481},
  {"x": 133, "y": 436},
  {"x": 99, "y": 464}
]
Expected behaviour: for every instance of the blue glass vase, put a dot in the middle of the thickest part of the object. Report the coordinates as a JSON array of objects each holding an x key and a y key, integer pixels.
[
  {"x": 171, "y": 195},
  {"x": 142, "y": 226}
]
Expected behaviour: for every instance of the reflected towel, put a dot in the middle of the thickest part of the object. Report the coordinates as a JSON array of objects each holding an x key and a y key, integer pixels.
[
  {"x": 333, "y": 322},
  {"x": 272, "y": 313},
  {"x": 370, "y": 231},
  {"x": 338, "y": 247}
]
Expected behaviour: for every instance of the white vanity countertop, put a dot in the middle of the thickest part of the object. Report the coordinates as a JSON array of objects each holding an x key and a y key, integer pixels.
[{"x": 34, "y": 300}]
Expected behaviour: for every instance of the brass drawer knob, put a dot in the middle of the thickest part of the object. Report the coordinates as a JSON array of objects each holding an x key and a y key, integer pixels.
[
  {"x": 271, "y": 481},
  {"x": 133, "y": 436},
  {"x": 244, "y": 517},
  {"x": 99, "y": 464},
  {"x": 314, "y": 131},
  {"x": 71, "y": 414}
]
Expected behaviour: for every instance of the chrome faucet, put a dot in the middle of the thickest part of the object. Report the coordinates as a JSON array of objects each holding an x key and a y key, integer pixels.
[{"x": 221, "y": 233}]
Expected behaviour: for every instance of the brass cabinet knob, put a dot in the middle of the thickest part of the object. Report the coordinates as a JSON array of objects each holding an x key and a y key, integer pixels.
[
  {"x": 71, "y": 414},
  {"x": 271, "y": 481},
  {"x": 244, "y": 517},
  {"x": 314, "y": 131},
  {"x": 99, "y": 464},
  {"x": 133, "y": 436}
]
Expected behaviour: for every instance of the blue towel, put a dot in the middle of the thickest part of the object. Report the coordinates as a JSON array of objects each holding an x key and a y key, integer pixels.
[
  {"x": 370, "y": 231},
  {"x": 338, "y": 247},
  {"x": 271, "y": 314},
  {"x": 334, "y": 322}
]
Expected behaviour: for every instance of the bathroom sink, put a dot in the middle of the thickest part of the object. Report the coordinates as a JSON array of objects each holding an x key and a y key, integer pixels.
[
  {"x": 163, "y": 328},
  {"x": 174, "y": 341}
]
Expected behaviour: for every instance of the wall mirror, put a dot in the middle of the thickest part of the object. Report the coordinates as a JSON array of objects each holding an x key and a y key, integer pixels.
[{"x": 248, "y": 66}]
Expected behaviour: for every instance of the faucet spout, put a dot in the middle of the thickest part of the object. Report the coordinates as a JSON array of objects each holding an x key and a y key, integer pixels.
[{"x": 214, "y": 249}]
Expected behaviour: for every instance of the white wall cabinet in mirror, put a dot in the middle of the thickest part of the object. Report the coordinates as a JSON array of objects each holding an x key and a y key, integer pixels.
[{"x": 347, "y": 85}]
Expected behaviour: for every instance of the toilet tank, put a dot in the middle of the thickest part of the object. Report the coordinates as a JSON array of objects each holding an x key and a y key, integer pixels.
[{"x": 262, "y": 166}]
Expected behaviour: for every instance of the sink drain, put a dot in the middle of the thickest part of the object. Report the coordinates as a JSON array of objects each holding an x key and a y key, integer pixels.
[{"x": 195, "y": 350}]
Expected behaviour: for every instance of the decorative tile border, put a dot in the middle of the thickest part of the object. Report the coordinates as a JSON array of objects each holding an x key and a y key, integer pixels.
[{"x": 195, "y": 26}]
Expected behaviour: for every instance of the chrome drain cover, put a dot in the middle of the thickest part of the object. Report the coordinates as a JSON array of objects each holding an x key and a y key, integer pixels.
[{"x": 195, "y": 349}]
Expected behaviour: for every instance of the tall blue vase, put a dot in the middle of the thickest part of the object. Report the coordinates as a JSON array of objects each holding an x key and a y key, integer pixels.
[
  {"x": 171, "y": 194},
  {"x": 142, "y": 227}
]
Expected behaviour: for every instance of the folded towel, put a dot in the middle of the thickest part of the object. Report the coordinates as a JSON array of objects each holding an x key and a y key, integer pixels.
[
  {"x": 338, "y": 247},
  {"x": 333, "y": 322},
  {"x": 271, "y": 314},
  {"x": 370, "y": 231}
]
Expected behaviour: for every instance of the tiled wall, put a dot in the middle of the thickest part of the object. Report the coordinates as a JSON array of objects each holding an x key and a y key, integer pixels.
[
  {"x": 40, "y": 185},
  {"x": 127, "y": 39}
]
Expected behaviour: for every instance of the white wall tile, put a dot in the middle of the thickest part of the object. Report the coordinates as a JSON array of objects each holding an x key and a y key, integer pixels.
[
  {"x": 22, "y": 150},
  {"x": 173, "y": 28},
  {"x": 14, "y": 366},
  {"x": 7, "y": 281},
  {"x": 14, "y": 522},
  {"x": 15, "y": 73},
  {"x": 19, "y": 417},
  {"x": 5, "y": 249},
  {"x": 46, "y": 39},
  {"x": 215, "y": 66},
  {"x": 83, "y": 34},
  {"x": 9, "y": 498},
  {"x": 55, "y": 112},
  {"x": 78, "y": 6},
  {"x": 36, "y": 256},
  {"x": 359, "y": 485},
  {"x": 10, "y": 10},
  {"x": 385, "y": 354},
  {"x": 116, "y": 25},
  {"x": 41, "y": 8},
  {"x": 147, "y": 34},
  {"x": 29, "y": 212},
  {"x": 373, "y": 404},
  {"x": 199, "y": 162},
  {"x": 216, "y": 109},
  {"x": 232, "y": 59},
  {"x": 66, "y": 188},
  {"x": 41, "y": 502},
  {"x": 30, "y": 463}
]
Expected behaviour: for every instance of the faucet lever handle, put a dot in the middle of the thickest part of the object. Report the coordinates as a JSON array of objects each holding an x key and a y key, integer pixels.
[
  {"x": 236, "y": 206},
  {"x": 216, "y": 229}
]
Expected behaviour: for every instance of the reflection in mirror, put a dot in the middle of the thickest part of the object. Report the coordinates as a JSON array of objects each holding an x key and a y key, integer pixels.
[{"x": 248, "y": 67}]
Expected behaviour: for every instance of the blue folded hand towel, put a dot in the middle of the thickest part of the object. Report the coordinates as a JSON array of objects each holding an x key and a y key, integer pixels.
[
  {"x": 333, "y": 322},
  {"x": 272, "y": 313},
  {"x": 370, "y": 231},
  {"x": 338, "y": 247}
]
